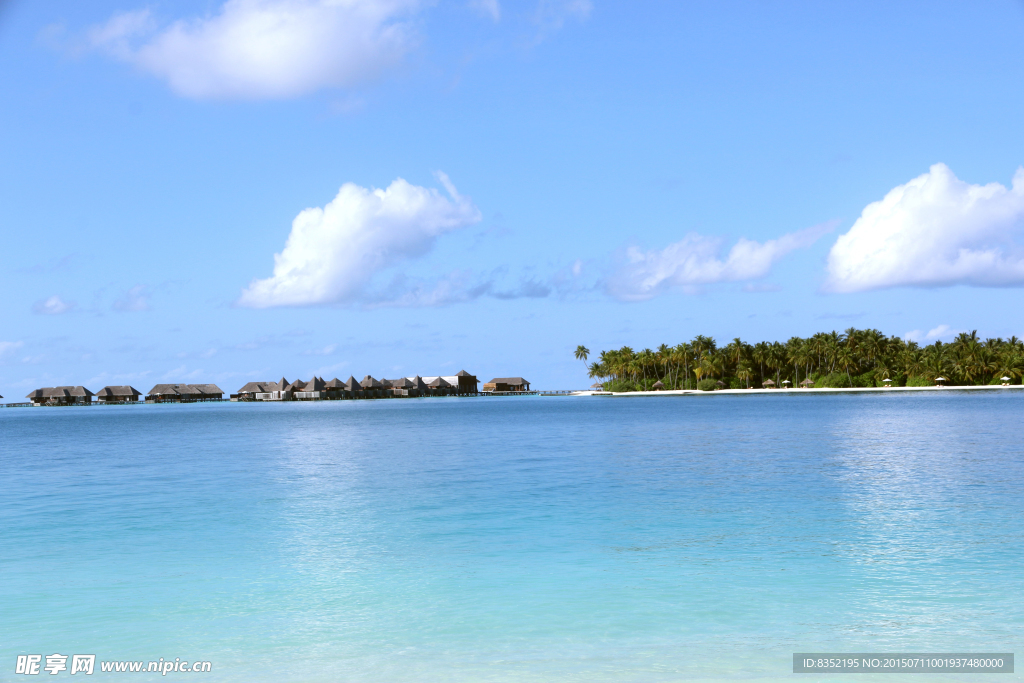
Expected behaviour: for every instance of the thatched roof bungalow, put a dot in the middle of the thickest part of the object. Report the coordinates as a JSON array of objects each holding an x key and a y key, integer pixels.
[
  {"x": 184, "y": 393},
  {"x": 500, "y": 384},
  {"x": 461, "y": 382},
  {"x": 251, "y": 389},
  {"x": 61, "y": 396},
  {"x": 369, "y": 382},
  {"x": 314, "y": 389},
  {"x": 118, "y": 394},
  {"x": 439, "y": 385}
]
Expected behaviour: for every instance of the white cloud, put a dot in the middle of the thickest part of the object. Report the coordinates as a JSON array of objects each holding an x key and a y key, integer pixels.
[
  {"x": 694, "y": 261},
  {"x": 936, "y": 230},
  {"x": 940, "y": 332},
  {"x": 760, "y": 287},
  {"x": 551, "y": 15},
  {"x": 106, "y": 378},
  {"x": 179, "y": 374},
  {"x": 325, "y": 351},
  {"x": 333, "y": 253},
  {"x": 490, "y": 8},
  {"x": 52, "y": 306},
  {"x": 135, "y": 299},
  {"x": 9, "y": 347},
  {"x": 457, "y": 287},
  {"x": 258, "y": 49}
]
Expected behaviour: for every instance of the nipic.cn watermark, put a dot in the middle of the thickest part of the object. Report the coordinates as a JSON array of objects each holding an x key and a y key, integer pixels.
[{"x": 33, "y": 665}]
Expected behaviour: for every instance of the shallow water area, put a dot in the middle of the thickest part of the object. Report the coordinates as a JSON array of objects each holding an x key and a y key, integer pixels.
[{"x": 514, "y": 539}]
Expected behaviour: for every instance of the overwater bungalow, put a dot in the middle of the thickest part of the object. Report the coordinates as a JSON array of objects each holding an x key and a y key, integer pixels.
[
  {"x": 401, "y": 387},
  {"x": 372, "y": 387},
  {"x": 335, "y": 388},
  {"x": 184, "y": 393},
  {"x": 118, "y": 394},
  {"x": 506, "y": 384},
  {"x": 251, "y": 391},
  {"x": 313, "y": 390},
  {"x": 317, "y": 389},
  {"x": 461, "y": 382},
  {"x": 440, "y": 386},
  {"x": 61, "y": 396}
]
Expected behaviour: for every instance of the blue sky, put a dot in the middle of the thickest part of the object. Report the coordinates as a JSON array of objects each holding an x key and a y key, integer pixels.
[{"x": 485, "y": 185}]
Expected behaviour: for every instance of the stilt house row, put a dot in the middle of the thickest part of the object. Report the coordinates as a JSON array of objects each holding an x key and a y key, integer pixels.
[
  {"x": 161, "y": 393},
  {"x": 460, "y": 384}
]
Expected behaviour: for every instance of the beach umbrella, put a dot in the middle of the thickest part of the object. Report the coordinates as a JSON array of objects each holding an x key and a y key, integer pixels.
[
  {"x": 767, "y": 383},
  {"x": 658, "y": 386},
  {"x": 1005, "y": 379}
]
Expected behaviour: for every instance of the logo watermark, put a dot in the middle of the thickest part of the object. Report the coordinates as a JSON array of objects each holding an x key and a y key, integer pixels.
[{"x": 33, "y": 665}]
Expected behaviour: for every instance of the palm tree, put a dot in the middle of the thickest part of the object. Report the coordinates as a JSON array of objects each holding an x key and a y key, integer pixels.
[
  {"x": 734, "y": 351},
  {"x": 686, "y": 351},
  {"x": 777, "y": 354},
  {"x": 795, "y": 355},
  {"x": 1010, "y": 365},
  {"x": 744, "y": 372},
  {"x": 967, "y": 360},
  {"x": 582, "y": 353},
  {"x": 936, "y": 361},
  {"x": 645, "y": 357},
  {"x": 845, "y": 360},
  {"x": 762, "y": 354}
]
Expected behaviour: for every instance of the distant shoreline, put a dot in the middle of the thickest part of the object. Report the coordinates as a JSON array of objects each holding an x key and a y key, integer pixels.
[{"x": 823, "y": 390}]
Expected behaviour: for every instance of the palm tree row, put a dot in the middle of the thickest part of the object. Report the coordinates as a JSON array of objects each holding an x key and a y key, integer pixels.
[{"x": 828, "y": 359}]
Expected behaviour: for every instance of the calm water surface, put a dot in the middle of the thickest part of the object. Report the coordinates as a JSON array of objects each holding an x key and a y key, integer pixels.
[{"x": 514, "y": 539}]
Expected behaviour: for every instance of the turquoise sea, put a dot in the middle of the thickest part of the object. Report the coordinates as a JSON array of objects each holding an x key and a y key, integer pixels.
[{"x": 514, "y": 539}]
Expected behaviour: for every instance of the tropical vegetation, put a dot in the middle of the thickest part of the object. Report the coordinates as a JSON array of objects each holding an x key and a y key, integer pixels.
[{"x": 854, "y": 358}]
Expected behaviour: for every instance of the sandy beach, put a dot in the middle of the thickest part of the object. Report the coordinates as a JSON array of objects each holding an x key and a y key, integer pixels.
[{"x": 850, "y": 390}]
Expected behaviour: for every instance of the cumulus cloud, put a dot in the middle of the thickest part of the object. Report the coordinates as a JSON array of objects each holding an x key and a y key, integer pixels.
[
  {"x": 135, "y": 299},
  {"x": 333, "y": 253},
  {"x": 695, "y": 261},
  {"x": 52, "y": 306},
  {"x": 265, "y": 49},
  {"x": 934, "y": 231}
]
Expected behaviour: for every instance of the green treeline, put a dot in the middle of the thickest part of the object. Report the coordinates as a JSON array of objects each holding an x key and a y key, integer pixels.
[{"x": 854, "y": 358}]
